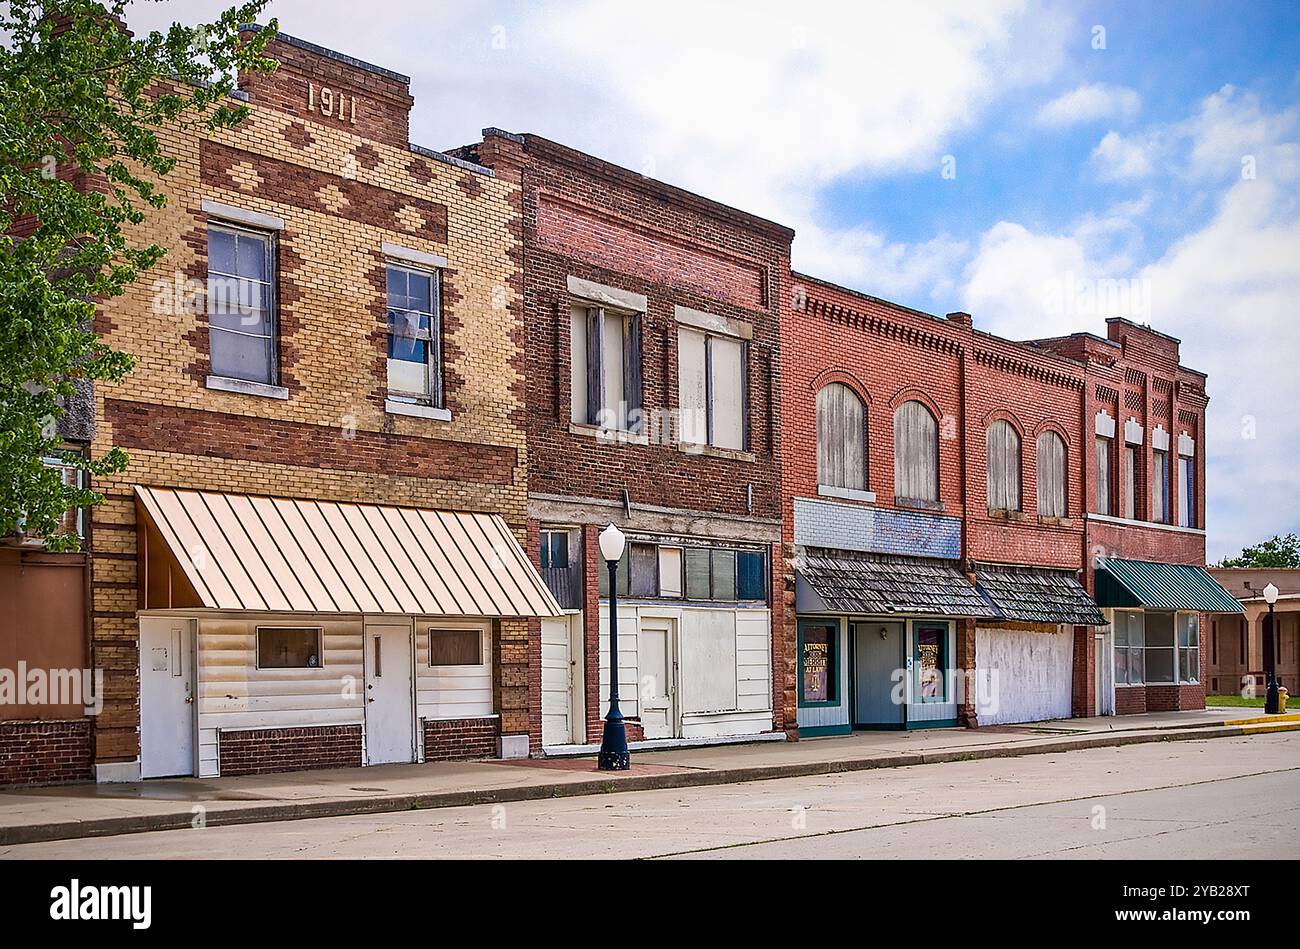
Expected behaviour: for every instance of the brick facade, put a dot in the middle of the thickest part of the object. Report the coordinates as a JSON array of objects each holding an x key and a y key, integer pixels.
[
  {"x": 888, "y": 354},
  {"x": 45, "y": 752},
  {"x": 461, "y": 739},
  {"x": 342, "y": 189},
  {"x": 587, "y": 219},
  {"x": 290, "y": 749}
]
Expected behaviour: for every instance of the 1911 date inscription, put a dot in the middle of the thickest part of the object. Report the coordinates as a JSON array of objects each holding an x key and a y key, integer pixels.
[{"x": 331, "y": 103}]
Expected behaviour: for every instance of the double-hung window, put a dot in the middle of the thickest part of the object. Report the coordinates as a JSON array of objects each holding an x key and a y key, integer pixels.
[
  {"x": 713, "y": 394},
  {"x": 605, "y": 369},
  {"x": 1105, "y": 476},
  {"x": 414, "y": 336},
  {"x": 1186, "y": 491},
  {"x": 241, "y": 304}
]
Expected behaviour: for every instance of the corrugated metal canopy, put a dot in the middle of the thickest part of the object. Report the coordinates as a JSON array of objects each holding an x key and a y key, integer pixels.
[
  {"x": 877, "y": 584},
  {"x": 1037, "y": 595},
  {"x": 243, "y": 552},
  {"x": 1161, "y": 586}
]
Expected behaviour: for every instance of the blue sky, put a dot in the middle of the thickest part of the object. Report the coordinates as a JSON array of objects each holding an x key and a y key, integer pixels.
[{"x": 1168, "y": 157}]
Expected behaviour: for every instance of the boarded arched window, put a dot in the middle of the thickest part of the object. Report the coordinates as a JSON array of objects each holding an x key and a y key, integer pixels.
[
  {"x": 1004, "y": 467},
  {"x": 916, "y": 452},
  {"x": 1051, "y": 475},
  {"x": 841, "y": 438}
]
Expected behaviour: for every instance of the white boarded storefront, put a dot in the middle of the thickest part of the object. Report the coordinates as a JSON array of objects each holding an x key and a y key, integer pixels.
[{"x": 281, "y": 633}]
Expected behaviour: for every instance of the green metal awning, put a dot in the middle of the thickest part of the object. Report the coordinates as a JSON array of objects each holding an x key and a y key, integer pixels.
[{"x": 1160, "y": 586}]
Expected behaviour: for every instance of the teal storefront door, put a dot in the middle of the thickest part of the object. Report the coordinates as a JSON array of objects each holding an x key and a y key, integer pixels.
[{"x": 877, "y": 657}]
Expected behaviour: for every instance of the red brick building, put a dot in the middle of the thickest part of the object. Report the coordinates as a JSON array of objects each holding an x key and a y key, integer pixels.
[
  {"x": 949, "y": 497},
  {"x": 651, "y": 322}
]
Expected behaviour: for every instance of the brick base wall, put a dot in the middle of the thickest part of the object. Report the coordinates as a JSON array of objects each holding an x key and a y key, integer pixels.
[
  {"x": 1130, "y": 700},
  {"x": 461, "y": 739},
  {"x": 1175, "y": 698},
  {"x": 289, "y": 749},
  {"x": 45, "y": 752}
]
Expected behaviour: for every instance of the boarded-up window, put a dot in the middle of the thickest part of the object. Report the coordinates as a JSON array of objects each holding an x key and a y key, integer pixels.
[
  {"x": 916, "y": 453},
  {"x": 697, "y": 573},
  {"x": 284, "y": 647},
  {"x": 1103, "y": 475},
  {"x": 670, "y": 572},
  {"x": 1051, "y": 475},
  {"x": 645, "y": 570},
  {"x": 841, "y": 438},
  {"x": 1186, "y": 492},
  {"x": 711, "y": 389},
  {"x": 1160, "y": 486},
  {"x": 455, "y": 647},
  {"x": 1130, "y": 482},
  {"x": 750, "y": 576},
  {"x": 1004, "y": 467},
  {"x": 605, "y": 372}
]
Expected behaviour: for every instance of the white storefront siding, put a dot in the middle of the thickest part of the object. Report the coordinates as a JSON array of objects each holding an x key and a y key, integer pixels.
[
  {"x": 234, "y": 694},
  {"x": 1033, "y": 674},
  {"x": 724, "y": 674},
  {"x": 443, "y": 692}
]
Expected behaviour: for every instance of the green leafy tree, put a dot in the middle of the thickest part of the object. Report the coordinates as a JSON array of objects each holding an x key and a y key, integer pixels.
[
  {"x": 81, "y": 103},
  {"x": 1277, "y": 552}
]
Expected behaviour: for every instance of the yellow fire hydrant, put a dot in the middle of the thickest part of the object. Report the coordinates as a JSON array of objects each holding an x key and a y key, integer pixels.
[{"x": 1281, "y": 698}]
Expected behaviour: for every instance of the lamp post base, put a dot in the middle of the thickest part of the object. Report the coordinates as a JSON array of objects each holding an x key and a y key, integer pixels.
[
  {"x": 1271, "y": 699},
  {"x": 614, "y": 755}
]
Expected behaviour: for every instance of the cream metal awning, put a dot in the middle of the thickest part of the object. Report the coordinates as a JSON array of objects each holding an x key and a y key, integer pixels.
[{"x": 242, "y": 552}]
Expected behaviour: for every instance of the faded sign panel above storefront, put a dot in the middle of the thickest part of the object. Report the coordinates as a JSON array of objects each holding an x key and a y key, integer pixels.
[{"x": 876, "y": 530}]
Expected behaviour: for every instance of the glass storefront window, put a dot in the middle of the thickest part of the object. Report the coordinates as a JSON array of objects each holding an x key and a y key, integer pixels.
[
  {"x": 1130, "y": 640},
  {"x": 818, "y": 643},
  {"x": 931, "y": 661},
  {"x": 1189, "y": 647},
  {"x": 1161, "y": 666}
]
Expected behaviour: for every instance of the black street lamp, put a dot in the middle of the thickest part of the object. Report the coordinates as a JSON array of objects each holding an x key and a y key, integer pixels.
[
  {"x": 614, "y": 755},
  {"x": 1271, "y": 698}
]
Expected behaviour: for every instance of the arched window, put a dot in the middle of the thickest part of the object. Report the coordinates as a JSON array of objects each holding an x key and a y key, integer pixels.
[
  {"x": 1051, "y": 475},
  {"x": 916, "y": 453},
  {"x": 1004, "y": 467},
  {"x": 841, "y": 438}
]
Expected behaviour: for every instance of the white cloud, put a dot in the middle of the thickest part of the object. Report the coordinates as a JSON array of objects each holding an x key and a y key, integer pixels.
[
  {"x": 1228, "y": 290},
  {"x": 1117, "y": 158},
  {"x": 1090, "y": 103}
]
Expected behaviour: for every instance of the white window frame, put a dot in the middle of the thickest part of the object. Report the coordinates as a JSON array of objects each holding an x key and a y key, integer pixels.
[
  {"x": 272, "y": 301},
  {"x": 484, "y": 645},
  {"x": 434, "y": 396}
]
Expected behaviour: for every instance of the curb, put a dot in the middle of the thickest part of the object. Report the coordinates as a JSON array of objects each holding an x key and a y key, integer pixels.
[{"x": 145, "y": 823}]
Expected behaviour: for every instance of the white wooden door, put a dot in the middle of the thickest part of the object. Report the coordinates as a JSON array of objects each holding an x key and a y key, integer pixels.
[
  {"x": 390, "y": 702},
  {"x": 658, "y": 668},
  {"x": 166, "y": 697},
  {"x": 558, "y": 666}
]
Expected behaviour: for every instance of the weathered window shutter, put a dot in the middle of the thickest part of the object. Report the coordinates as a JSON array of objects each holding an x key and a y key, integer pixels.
[
  {"x": 632, "y": 375},
  {"x": 1003, "y": 467},
  {"x": 595, "y": 378},
  {"x": 1051, "y": 475},
  {"x": 916, "y": 452},
  {"x": 841, "y": 438}
]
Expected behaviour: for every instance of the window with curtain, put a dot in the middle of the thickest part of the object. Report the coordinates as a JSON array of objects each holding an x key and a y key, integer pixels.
[
  {"x": 916, "y": 452},
  {"x": 605, "y": 368},
  {"x": 1003, "y": 467},
  {"x": 1051, "y": 475},
  {"x": 841, "y": 438},
  {"x": 414, "y": 336}
]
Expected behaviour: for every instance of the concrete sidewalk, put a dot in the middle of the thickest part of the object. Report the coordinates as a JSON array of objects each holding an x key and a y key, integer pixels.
[{"x": 89, "y": 810}]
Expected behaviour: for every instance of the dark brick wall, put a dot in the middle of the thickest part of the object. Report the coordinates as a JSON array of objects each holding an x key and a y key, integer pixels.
[
  {"x": 289, "y": 749},
  {"x": 45, "y": 752},
  {"x": 224, "y": 435},
  {"x": 461, "y": 739},
  {"x": 1130, "y": 700}
]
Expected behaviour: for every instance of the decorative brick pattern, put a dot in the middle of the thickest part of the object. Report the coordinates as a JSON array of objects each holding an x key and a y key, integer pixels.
[
  {"x": 33, "y": 752},
  {"x": 461, "y": 739},
  {"x": 289, "y": 749}
]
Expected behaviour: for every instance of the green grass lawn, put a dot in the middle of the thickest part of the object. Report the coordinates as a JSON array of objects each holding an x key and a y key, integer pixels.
[{"x": 1237, "y": 701}]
